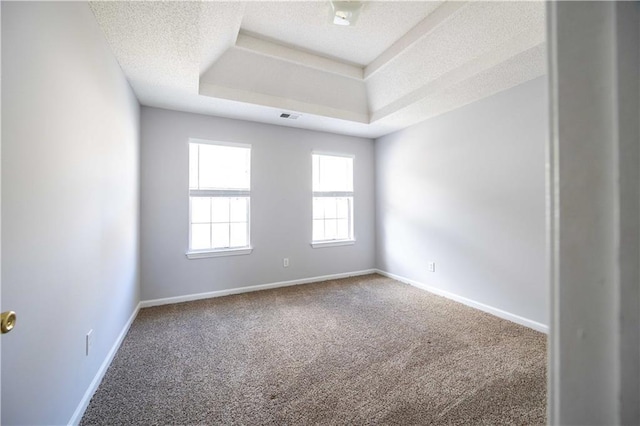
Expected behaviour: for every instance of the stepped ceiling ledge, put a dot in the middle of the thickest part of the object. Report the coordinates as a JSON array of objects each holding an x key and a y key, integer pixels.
[{"x": 400, "y": 64}]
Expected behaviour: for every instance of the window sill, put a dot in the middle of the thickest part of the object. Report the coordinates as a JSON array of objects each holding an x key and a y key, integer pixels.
[
  {"x": 334, "y": 243},
  {"x": 219, "y": 253}
]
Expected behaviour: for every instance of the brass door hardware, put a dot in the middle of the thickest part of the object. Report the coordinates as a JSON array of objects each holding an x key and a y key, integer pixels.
[{"x": 7, "y": 321}]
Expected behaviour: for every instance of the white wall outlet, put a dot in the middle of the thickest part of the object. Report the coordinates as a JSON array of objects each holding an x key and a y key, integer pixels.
[
  {"x": 432, "y": 266},
  {"x": 285, "y": 262},
  {"x": 88, "y": 342}
]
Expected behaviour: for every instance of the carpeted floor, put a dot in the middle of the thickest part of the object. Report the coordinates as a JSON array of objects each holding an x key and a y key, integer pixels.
[{"x": 362, "y": 350}]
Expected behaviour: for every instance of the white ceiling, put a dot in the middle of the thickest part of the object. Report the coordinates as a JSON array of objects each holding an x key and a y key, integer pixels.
[
  {"x": 306, "y": 25},
  {"x": 402, "y": 63}
]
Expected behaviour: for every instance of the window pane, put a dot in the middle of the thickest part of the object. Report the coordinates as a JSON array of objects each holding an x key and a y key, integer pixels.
[
  {"x": 238, "y": 209},
  {"x": 200, "y": 236},
  {"x": 330, "y": 229},
  {"x": 200, "y": 210},
  {"x": 342, "y": 208},
  {"x": 343, "y": 229},
  {"x": 330, "y": 207},
  {"x": 193, "y": 166},
  {"x": 219, "y": 167},
  {"x": 239, "y": 235},
  {"x": 332, "y": 173},
  {"x": 318, "y": 230},
  {"x": 220, "y": 209},
  {"x": 210, "y": 167},
  {"x": 220, "y": 235},
  {"x": 318, "y": 208},
  {"x": 315, "y": 167},
  {"x": 224, "y": 167}
]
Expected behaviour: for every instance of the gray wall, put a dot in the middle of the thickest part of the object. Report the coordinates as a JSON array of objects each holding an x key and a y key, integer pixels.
[
  {"x": 70, "y": 140},
  {"x": 467, "y": 191},
  {"x": 280, "y": 205}
]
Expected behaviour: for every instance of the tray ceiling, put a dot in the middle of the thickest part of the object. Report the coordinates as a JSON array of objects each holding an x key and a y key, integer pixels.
[
  {"x": 402, "y": 62},
  {"x": 306, "y": 25}
]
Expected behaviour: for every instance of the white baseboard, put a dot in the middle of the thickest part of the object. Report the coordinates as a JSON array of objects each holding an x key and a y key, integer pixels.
[
  {"x": 472, "y": 303},
  {"x": 84, "y": 403},
  {"x": 220, "y": 293}
]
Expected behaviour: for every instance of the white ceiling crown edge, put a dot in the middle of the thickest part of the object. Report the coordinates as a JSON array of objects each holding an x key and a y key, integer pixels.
[
  {"x": 422, "y": 29},
  {"x": 291, "y": 54}
]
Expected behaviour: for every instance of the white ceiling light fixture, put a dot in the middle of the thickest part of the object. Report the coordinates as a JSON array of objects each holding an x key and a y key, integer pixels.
[{"x": 345, "y": 13}]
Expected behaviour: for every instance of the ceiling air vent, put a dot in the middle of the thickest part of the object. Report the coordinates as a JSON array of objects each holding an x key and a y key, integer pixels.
[{"x": 289, "y": 116}]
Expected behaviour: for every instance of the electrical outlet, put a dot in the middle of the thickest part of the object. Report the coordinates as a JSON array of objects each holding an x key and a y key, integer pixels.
[
  {"x": 285, "y": 262},
  {"x": 88, "y": 342},
  {"x": 432, "y": 266}
]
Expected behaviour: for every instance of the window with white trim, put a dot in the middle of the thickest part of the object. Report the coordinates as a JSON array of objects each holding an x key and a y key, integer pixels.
[
  {"x": 332, "y": 198},
  {"x": 219, "y": 197}
]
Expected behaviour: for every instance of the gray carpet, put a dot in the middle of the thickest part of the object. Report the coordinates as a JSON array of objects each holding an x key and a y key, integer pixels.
[{"x": 362, "y": 350}]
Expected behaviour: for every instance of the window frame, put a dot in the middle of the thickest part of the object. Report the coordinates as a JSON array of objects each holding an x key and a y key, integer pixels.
[
  {"x": 223, "y": 193},
  {"x": 336, "y": 194}
]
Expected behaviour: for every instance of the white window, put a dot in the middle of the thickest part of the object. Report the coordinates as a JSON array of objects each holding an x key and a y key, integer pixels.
[
  {"x": 219, "y": 196},
  {"x": 332, "y": 199}
]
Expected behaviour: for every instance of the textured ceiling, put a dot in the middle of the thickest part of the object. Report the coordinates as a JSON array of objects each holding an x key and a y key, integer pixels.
[
  {"x": 479, "y": 31},
  {"x": 166, "y": 44},
  {"x": 403, "y": 62},
  {"x": 306, "y": 25}
]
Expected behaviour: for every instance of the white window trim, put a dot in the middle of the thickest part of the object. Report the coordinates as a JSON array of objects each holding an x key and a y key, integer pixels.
[
  {"x": 338, "y": 242},
  {"x": 332, "y": 243},
  {"x": 220, "y": 252},
  {"x": 333, "y": 154},
  {"x": 219, "y": 193},
  {"x": 203, "y": 254},
  {"x": 220, "y": 143},
  {"x": 330, "y": 194}
]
